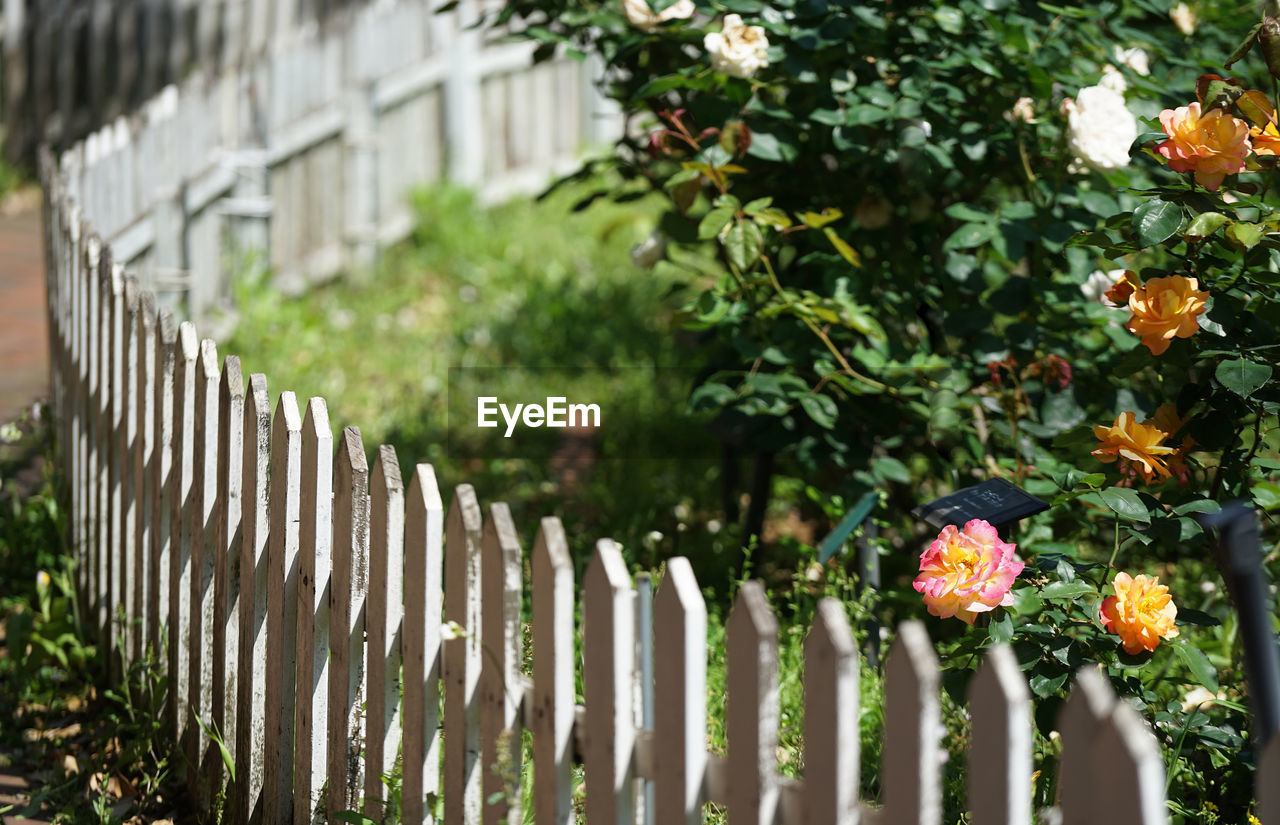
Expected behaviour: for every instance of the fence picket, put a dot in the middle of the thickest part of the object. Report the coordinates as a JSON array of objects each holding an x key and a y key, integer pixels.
[
  {"x": 501, "y": 683},
  {"x": 752, "y": 712},
  {"x": 252, "y": 646},
  {"x": 115, "y": 545},
  {"x": 462, "y": 659},
  {"x": 553, "y": 676},
  {"x": 180, "y": 514},
  {"x": 126, "y": 503},
  {"x": 608, "y": 653},
  {"x": 226, "y": 560},
  {"x": 831, "y": 740},
  {"x": 347, "y": 621},
  {"x": 1079, "y": 721},
  {"x": 146, "y": 478},
  {"x": 204, "y": 499},
  {"x": 314, "y": 539},
  {"x": 282, "y": 609},
  {"x": 680, "y": 695},
  {"x": 162, "y": 480},
  {"x": 1128, "y": 770},
  {"x": 385, "y": 607},
  {"x": 912, "y": 788},
  {"x": 1000, "y": 757},
  {"x": 423, "y": 567},
  {"x": 1267, "y": 783}
]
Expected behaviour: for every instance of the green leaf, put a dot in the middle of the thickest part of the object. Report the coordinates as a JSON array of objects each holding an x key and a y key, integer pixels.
[
  {"x": 1242, "y": 376},
  {"x": 817, "y": 220},
  {"x": 821, "y": 408},
  {"x": 1201, "y": 668},
  {"x": 1066, "y": 590},
  {"x": 1156, "y": 221},
  {"x": 743, "y": 244},
  {"x": 714, "y": 221},
  {"x": 1197, "y": 617},
  {"x": 1245, "y": 235},
  {"x": 847, "y": 252},
  {"x": 891, "y": 469},
  {"x": 1205, "y": 225},
  {"x": 1126, "y": 503},
  {"x": 1001, "y": 629},
  {"x": 971, "y": 235},
  {"x": 1244, "y": 47}
]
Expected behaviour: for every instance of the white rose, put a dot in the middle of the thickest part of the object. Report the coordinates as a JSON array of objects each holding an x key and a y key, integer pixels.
[
  {"x": 1184, "y": 18},
  {"x": 640, "y": 15},
  {"x": 1095, "y": 289},
  {"x": 737, "y": 49},
  {"x": 1100, "y": 129},
  {"x": 646, "y": 255},
  {"x": 1112, "y": 79},
  {"x": 1134, "y": 58}
]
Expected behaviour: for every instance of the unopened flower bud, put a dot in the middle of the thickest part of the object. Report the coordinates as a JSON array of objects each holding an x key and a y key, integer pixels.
[{"x": 1269, "y": 40}]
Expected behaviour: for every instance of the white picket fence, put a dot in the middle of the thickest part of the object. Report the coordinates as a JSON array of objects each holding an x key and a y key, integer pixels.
[
  {"x": 296, "y": 590},
  {"x": 298, "y": 149}
]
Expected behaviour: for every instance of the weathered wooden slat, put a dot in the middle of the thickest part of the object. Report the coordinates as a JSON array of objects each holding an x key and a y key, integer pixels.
[
  {"x": 125, "y": 504},
  {"x": 113, "y": 348},
  {"x": 1129, "y": 779},
  {"x": 145, "y": 475},
  {"x": 912, "y": 754},
  {"x": 315, "y": 535},
  {"x": 224, "y": 649},
  {"x": 384, "y": 604},
  {"x": 282, "y": 610},
  {"x": 79, "y": 415},
  {"x": 831, "y": 751},
  {"x": 752, "y": 707},
  {"x": 204, "y": 499},
  {"x": 608, "y": 652},
  {"x": 1080, "y": 720},
  {"x": 1267, "y": 783},
  {"x": 999, "y": 768},
  {"x": 462, "y": 770},
  {"x": 178, "y": 617},
  {"x": 347, "y": 621},
  {"x": 162, "y": 483},
  {"x": 423, "y": 571},
  {"x": 553, "y": 676},
  {"x": 502, "y": 589},
  {"x": 680, "y": 695},
  {"x": 252, "y": 660}
]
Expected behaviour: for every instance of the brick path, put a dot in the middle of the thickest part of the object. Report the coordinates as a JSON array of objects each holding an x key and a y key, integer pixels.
[{"x": 24, "y": 359}]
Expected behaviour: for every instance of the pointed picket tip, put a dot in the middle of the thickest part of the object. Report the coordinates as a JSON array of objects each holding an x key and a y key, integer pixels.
[
  {"x": 607, "y": 566},
  {"x": 1089, "y": 702},
  {"x": 188, "y": 342},
  {"x": 315, "y": 422},
  {"x": 913, "y": 655},
  {"x": 166, "y": 326},
  {"x": 465, "y": 509},
  {"x": 751, "y": 611},
  {"x": 115, "y": 274},
  {"x": 1267, "y": 783},
  {"x": 830, "y": 631},
  {"x": 92, "y": 247},
  {"x": 425, "y": 490},
  {"x": 679, "y": 589},
  {"x": 232, "y": 380},
  {"x": 132, "y": 295},
  {"x": 257, "y": 408},
  {"x": 287, "y": 418},
  {"x": 500, "y": 530},
  {"x": 351, "y": 457},
  {"x": 999, "y": 680},
  {"x": 1128, "y": 770},
  {"x": 209, "y": 359},
  {"x": 386, "y": 471},
  {"x": 147, "y": 308},
  {"x": 551, "y": 548}
]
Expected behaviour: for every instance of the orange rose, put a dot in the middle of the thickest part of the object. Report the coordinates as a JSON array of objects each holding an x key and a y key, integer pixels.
[
  {"x": 1164, "y": 308},
  {"x": 1212, "y": 145},
  {"x": 1120, "y": 291},
  {"x": 1141, "y": 612},
  {"x": 1140, "y": 443}
]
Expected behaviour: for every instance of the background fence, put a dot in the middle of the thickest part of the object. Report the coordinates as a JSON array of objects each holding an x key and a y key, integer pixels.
[
  {"x": 290, "y": 584},
  {"x": 290, "y": 133}
]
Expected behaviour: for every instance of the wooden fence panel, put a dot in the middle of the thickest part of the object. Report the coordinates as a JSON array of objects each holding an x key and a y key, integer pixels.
[
  {"x": 608, "y": 653},
  {"x": 680, "y": 695},
  {"x": 553, "y": 676},
  {"x": 311, "y": 718},
  {"x": 462, "y": 781},
  {"x": 912, "y": 789},
  {"x": 162, "y": 482},
  {"x": 252, "y": 658},
  {"x": 1128, "y": 770},
  {"x": 502, "y": 685},
  {"x": 282, "y": 609},
  {"x": 347, "y": 621},
  {"x": 423, "y": 601},
  {"x": 1080, "y": 720},
  {"x": 385, "y": 605},
  {"x": 145, "y": 477},
  {"x": 1000, "y": 756},
  {"x": 182, "y": 479},
  {"x": 226, "y": 560},
  {"x": 752, "y": 712},
  {"x": 831, "y": 708},
  {"x": 204, "y": 500}
]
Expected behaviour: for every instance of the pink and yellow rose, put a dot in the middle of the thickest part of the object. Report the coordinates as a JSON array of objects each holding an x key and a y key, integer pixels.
[
  {"x": 1212, "y": 145},
  {"x": 967, "y": 572},
  {"x": 1141, "y": 612}
]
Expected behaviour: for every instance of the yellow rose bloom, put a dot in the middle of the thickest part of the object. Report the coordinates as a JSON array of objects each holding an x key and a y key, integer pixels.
[
  {"x": 1140, "y": 443},
  {"x": 1141, "y": 612},
  {"x": 1165, "y": 308}
]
